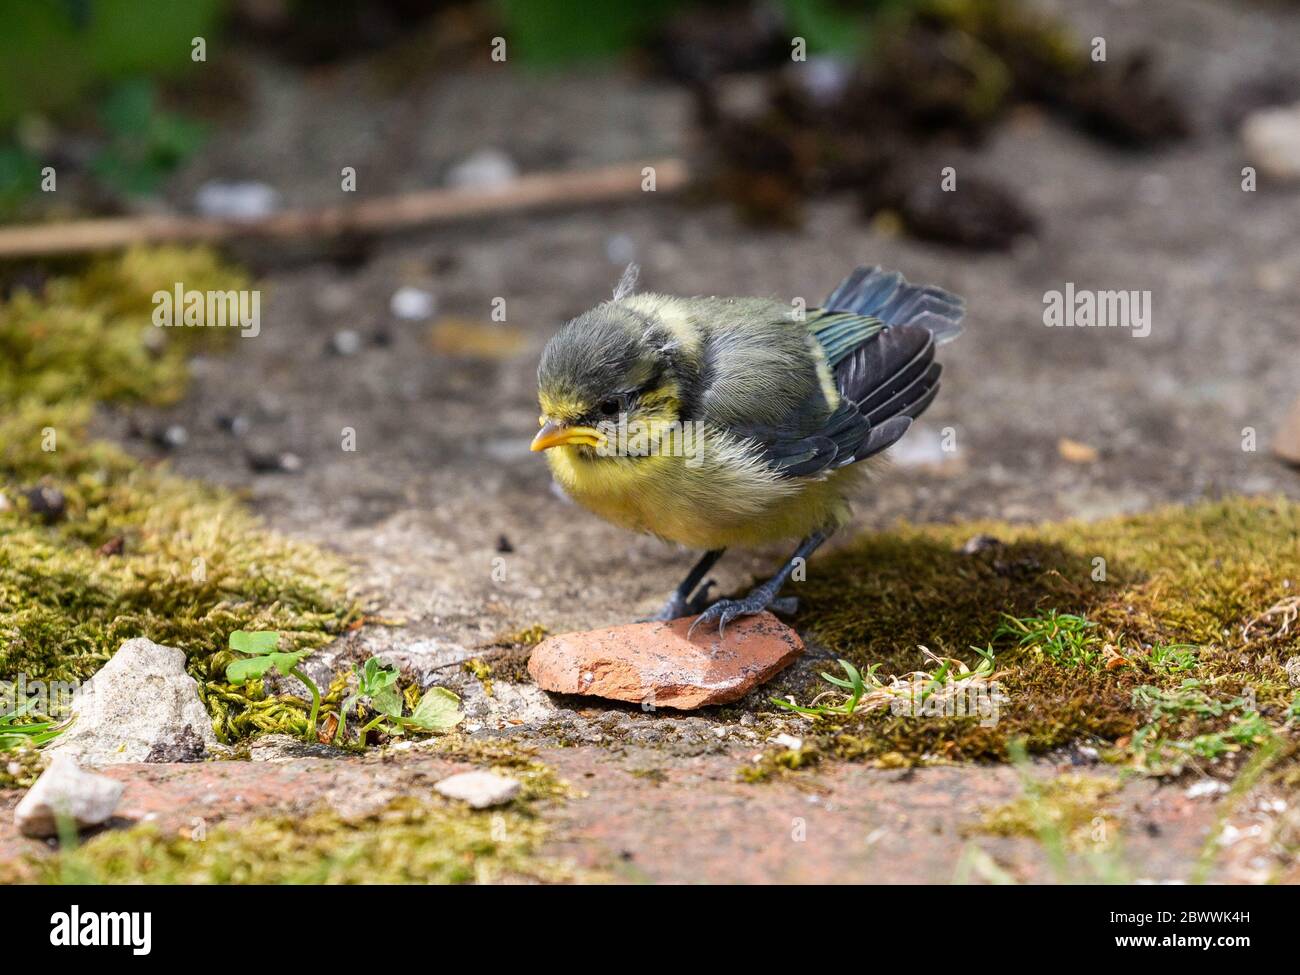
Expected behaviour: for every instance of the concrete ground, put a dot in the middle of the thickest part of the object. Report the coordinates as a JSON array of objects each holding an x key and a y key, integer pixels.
[{"x": 442, "y": 475}]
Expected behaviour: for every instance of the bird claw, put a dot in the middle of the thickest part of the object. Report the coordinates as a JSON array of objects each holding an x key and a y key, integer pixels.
[{"x": 725, "y": 610}]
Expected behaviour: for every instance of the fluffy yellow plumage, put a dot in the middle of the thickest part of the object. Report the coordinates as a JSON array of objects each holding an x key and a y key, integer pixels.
[{"x": 730, "y": 499}]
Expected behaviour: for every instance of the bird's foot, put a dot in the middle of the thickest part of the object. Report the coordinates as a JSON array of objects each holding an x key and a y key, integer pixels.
[
  {"x": 725, "y": 610},
  {"x": 678, "y": 606}
]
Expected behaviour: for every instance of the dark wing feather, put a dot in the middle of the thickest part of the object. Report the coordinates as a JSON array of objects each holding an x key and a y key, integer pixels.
[
  {"x": 879, "y": 335},
  {"x": 890, "y": 359},
  {"x": 803, "y": 455},
  {"x": 885, "y": 384}
]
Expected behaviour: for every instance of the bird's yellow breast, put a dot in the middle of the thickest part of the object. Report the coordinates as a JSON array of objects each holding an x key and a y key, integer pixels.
[{"x": 722, "y": 496}]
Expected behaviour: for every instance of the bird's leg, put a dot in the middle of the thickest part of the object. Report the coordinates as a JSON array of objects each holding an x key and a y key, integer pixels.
[
  {"x": 760, "y": 597},
  {"x": 680, "y": 602}
]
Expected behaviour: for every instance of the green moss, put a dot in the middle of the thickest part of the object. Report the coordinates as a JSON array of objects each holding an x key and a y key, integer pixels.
[
  {"x": 412, "y": 840},
  {"x": 90, "y": 338},
  {"x": 1073, "y": 806},
  {"x": 482, "y": 671},
  {"x": 1158, "y": 597},
  {"x": 773, "y": 763},
  {"x": 529, "y": 636},
  {"x": 409, "y": 841},
  {"x": 20, "y": 767},
  {"x": 193, "y": 564},
  {"x": 655, "y": 776},
  {"x": 1032, "y": 45}
]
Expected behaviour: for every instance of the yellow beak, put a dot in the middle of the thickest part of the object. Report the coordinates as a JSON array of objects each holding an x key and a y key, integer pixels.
[{"x": 554, "y": 434}]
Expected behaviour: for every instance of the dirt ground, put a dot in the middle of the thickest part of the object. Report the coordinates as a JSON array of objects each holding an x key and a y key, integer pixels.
[{"x": 442, "y": 476}]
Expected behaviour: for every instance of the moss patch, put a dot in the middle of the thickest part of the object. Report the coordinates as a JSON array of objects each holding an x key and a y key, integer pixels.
[
  {"x": 482, "y": 671},
  {"x": 135, "y": 551},
  {"x": 1157, "y": 599},
  {"x": 508, "y": 654},
  {"x": 1072, "y": 806},
  {"x": 409, "y": 841},
  {"x": 20, "y": 767}
]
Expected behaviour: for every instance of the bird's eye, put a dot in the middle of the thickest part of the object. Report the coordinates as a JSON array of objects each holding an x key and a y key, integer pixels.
[{"x": 610, "y": 407}]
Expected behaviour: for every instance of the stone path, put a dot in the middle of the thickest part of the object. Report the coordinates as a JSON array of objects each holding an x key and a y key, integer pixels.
[{"x": 636, "y": 817}]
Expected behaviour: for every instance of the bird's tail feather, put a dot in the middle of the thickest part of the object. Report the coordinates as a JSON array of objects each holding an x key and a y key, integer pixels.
[{"x": 886, "y": 295}]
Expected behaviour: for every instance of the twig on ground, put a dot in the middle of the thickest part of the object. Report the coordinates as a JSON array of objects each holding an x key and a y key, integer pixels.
[{"x": 382, "y": 215}]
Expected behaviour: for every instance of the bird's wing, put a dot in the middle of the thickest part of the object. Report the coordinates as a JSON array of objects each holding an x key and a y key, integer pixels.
[
  {"x": 840, "y": 332},
  {"x": 894, "y": 372},
  {"x": 878, "y": 334},
  {"x": 847, "y": 436},
  {"x": 886, "y": 296}
]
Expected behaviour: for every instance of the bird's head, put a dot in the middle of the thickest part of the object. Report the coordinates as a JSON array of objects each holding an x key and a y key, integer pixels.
[{"x": 610, "y": 368}]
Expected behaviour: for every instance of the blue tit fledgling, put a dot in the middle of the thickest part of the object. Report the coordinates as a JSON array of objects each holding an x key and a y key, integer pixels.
[{"x": 715, "y": 422}]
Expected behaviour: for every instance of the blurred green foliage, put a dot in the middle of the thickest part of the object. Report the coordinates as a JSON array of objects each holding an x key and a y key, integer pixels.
[
  {"x": 19, "y": 176},
  {"x": 51, "y": 51},
  {"x": 829, "y": 27},
  {"x": 54, "y": 53},
  {"x": 144, "y": 142},
  {"x": 549, "y": 32},
  {"x": 552, "y": 32}
]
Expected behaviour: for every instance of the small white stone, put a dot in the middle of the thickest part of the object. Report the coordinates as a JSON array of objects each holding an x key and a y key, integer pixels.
[
  {"x": 346, "y": 341},
  {"x": 1272, "y": 142},
  {"x": 789, "y": 741},
  {"x": 824, "y": 79},
  {"x": 480, "y": 789},
  {"x": 412, "y": 304},
  {"x": 64, "y": 790},
  {"x": 485, "y": 169},
  {"x": 1206, "y": 787},
  {"x": 236, "y": 201},
  {"x": 1231, "y": 834}
]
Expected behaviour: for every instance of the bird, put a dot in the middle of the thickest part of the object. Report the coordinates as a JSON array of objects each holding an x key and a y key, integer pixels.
[{"x": 715, "y": 422}]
